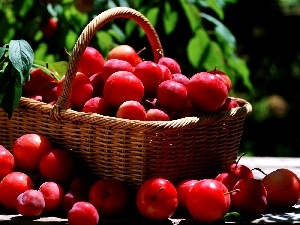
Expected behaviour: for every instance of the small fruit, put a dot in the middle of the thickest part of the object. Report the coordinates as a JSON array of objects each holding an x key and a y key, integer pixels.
[
  {"x": 82, "y": 90},
  {"x": 207, "y": 92},
  {"x": 172, "y": 95},
  {"x": 240, "y": 170},
  {"x": 57, "y": 165},
  {"x": 90, "y": 62},
  {"x": 122, "y": 86},
  {"x": 49, "y": 28},
  {"x": 109, "y": 196},
  {"x": 208, "y": 200},
  {"x": 253, "y": 193},
  {"x": 224, "y": 76},
  {"x": 97, "y": 105},
  {"x": 28, "y": 150},
  {"x": 97, "y": 83},
  {"x": 125, "y": 52},
  {"x": 11, "y": 186},
  {"x": 30, "y": 203},
  {"x": 48, "y": 92},
  {"x": 83, "y": 213},
  {"x": 171, "y": 63},
  {"x": 279, "y": 182},
  {"x": 166, "y": 72},
  {"x": 7, "y": 162},
  {"x": 53, "y": 194},
  {"x": 229, "y": 104},
  {"x": 156, "y": 114},
  {"x": 180, "y": 78},
  {"x": 151, "y": 76},
  {"x": 157, "y": 199},
  {"x": 37, "y": 80},
  {"x": 132, "y": 110},
  {"x": 70, "y": 198},
  {"x": 183, "y": 188},
  {"x": 229, "y": 179},
  {"x": 114, "y": 65}
]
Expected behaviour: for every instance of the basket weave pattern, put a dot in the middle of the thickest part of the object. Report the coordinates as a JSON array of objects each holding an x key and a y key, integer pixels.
[{"x": 129, "y": 150}]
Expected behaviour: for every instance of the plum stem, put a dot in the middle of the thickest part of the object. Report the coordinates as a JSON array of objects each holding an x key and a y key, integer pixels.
[
  {"x": 160, "y": 189},
  {"x": 232, "y": 191},
  {"x": 260, "y": 170},
  {"x": 143, "y": 49},
  {"x": 238, "y": 160}
]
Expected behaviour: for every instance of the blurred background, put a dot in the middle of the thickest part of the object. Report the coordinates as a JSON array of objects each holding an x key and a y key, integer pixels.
[{"x": 255, "y": 42}]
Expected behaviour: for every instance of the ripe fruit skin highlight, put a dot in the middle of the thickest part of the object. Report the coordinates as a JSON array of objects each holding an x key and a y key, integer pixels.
[
  {"x": 172, "y": 95},
  {"x": 132, "y": 110},
  {"x": 156, "y": 114},
  {"x": 157, "y": 199},
  {"x": 83, "y": 213},
  {"x": 283, "y": 188},
  {"x": 207, "y": 92},
  {"x": 151, "y": 76},
  {"x": 7, "y": 162},
  {"x": 207, "y": 200},
  {"x": 125, "y": 52},
  {"x": 11, "y": 186},
  {"x": 53, "y": 194},
  {"x": 224, "y": 77},
  {"x": 171, "y": 63},
  {"x": 97, "y": 105},
  {"x": 90, "y": 62},
  {"x": 122, "y": 86},
  {"x": 28, "y": 150},
  {"x": 30, "y": 203},
  {"x": 114, "y": 65}
]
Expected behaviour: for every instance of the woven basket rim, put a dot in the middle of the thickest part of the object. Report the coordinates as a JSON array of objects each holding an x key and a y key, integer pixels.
[{"x": 94, "y": 118}]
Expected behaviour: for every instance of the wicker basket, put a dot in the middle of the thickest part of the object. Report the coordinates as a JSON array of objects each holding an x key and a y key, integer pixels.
[{"x": 132, "y": 151}]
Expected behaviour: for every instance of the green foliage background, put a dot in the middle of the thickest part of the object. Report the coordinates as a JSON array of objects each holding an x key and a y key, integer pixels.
[{"x": 238, "y": 37}]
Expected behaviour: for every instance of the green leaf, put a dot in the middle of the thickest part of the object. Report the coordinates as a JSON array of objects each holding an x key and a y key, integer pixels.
[
  {"x": 54, "y": 69},
  {"x": 152, "y": 15},
  {"x": 215, "y": 6},
  {"x": 192, "y": 14},
  {"x": 70, "y": 39},
  {"x": 197, "y": 47},
  {"x": 117, "y": 33},
  {"x": 222, "y": 32},
  {"x": 2, "y": 51},
  {"x": 214, "y": 57},
  {"x": 170, "y": 18},
  {"x": 60, "y": 67},
  {"x": 233, "y": 217},
  {"x": 4, "y": 84},
  {"x": 105, "y": 42},
  {"x": 12, "y": 91},
  {"x": 21, "y": 56},
  {"x": 242, "y": 69}
]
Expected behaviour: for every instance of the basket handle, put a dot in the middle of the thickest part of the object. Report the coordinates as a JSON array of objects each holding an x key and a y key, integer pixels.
[{"x": 84, "y": 39}]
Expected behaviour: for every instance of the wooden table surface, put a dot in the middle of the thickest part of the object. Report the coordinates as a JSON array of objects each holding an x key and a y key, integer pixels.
[{"x": 267, "y": 164}]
